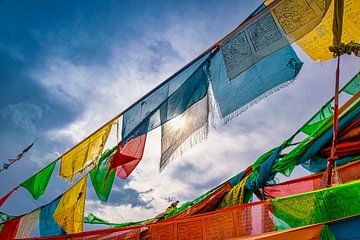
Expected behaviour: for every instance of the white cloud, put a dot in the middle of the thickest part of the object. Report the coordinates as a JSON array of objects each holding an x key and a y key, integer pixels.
[{"x": 23, "y": 116}]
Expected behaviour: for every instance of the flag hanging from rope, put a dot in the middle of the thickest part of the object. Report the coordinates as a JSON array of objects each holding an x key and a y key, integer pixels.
[
  {"x": 4, "y": 198},
  {"x": 101, "y": 177},
  {"x": 128, "y": 156},
  {"x": 184, "y": 131},
  {"x": 47, "y": 224},
  {"x": 316, "y": 44},
  {"x": 69, "y": 213},
  {"x": 28, "y": 224},
  {"x": 37, "y": 184},
  {"x": 6, "y": 165},
  {"x": 9, "y": 229},
  {"x": 75, "y": 161},
  {"x": 167, "y": 101},
  {"x": 265, "y": 77}
]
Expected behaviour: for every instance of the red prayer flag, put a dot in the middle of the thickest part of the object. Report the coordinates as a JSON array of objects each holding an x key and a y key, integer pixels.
[
  {"x": 9, "y": 229},
  {"x": 4, "y": 198},
  {"x": 127, "y": 156}
]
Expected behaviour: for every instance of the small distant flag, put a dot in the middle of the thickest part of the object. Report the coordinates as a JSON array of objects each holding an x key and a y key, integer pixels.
[{"x": 10, "y": 161}]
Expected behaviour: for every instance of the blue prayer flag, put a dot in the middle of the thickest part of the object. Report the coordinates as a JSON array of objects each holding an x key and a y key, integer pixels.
[
  {"x": 47, "y": 224},
  {"x": 266, "y": 76},
  {"x": 168, "y": 101}
]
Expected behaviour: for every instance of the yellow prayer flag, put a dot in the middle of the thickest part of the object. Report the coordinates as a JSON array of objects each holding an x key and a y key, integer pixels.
[
  {"x": 299, "y": 17},
  {"x": 235, "y": 196},
  {"x": 75, "y": 161},
  {"x": 69, "y": 213},
  {"x": 316, "y": 43}
]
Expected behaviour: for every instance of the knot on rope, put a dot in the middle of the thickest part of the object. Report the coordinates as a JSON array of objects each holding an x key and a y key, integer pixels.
[{"x": 342, "y": 48}]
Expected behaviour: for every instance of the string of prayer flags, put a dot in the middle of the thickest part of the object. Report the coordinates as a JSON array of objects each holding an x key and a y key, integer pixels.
[
  {"x": 69, "y": 213},
  {"x": 47, "y": 224},
  {"x": 167, "y": 101},
  {"x": 101, "y": 177},
  {"x": 133, "y": 149},
  {"x": 37, "y": 184},
  {"x": 184, "y": 130},
  {"x": 5, "y": 197},
  {"x": 6, "y": 165},
  {"x": 75, "y": 161}
]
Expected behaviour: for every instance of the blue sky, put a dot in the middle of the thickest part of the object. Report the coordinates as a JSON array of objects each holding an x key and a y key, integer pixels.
[{"x": 66, "y": 67}]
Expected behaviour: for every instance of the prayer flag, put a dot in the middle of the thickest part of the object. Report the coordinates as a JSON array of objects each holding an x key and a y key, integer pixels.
[
  {"x": 101, "y": 177},
  {"x": 75, "y": 161},
  {"x": 37, "y": 184},
  {"x": 316, "y": 43},
  {"x": 47, "y": 225},
  {"x": 268, "y": 75},
  {"x": 69, "y": 213},
  {"x": 28, "y": 224},
  {"x": 167, "y": 101},
  {"x": 184, "y": 131},
  {"x": 132, "y": 149}
]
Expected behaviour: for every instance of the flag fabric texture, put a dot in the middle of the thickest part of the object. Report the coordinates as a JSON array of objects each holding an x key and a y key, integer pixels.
[
  {"x": 265, "y": 77},
  {"x": 76, "y": 160},
  {"x": 128, "y": 156},
  {"x": 184, "y": 131},
  {"x": 69, "y": 213},
  {"x": 47, "y": 224},
  {"x": 9, "y": 229},
  {"x": 37, "y": 184},
  {"x": 167, "y": 101},
  {"x": 316, "y": 43},
  {"x": 102, "y": 177},
  {"x": 28, "y": 224}
]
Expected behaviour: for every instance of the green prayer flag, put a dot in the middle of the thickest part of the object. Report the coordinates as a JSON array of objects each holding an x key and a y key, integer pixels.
[
  {"x": 326, "y": 233},
  {"x": 317, "y": 206},
  {"x": 101, "y": 184},
  {"x": 318, "y": 119},
  {"x": 37, "y": 184},
  {"x": 353, "y": 87},
  {"x": 92, "y": 219}
]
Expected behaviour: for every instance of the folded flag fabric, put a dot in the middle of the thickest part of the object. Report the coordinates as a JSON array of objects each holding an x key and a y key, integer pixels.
[
  {"x": 75, "y": 161},
  {"x": 190, "y": 127},
  {"x": 129, "y": 156},
  {"x": 69, "y": 213},
  {"x": 37, "y": 184},
  {"x": 318, "y": 206}
]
